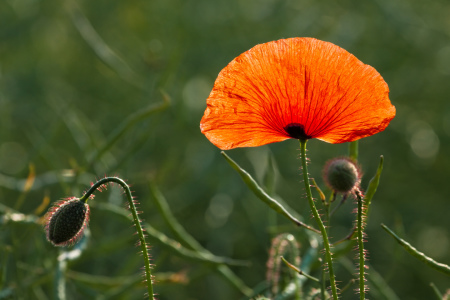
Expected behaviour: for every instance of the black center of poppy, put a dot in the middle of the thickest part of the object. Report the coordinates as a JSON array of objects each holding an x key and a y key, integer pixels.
[{"x": 296, "y": 131}]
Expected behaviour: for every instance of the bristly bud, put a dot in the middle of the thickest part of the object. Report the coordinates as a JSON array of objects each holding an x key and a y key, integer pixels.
[
  {"x": 66, "y": 221},
  {"x": 342, "y": 175}
]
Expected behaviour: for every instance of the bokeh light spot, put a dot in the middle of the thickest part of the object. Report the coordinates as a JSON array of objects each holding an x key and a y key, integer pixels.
[
  {"x": 195, "y": 93},
  {"x": 220, "y": 208},
  {"x": 424, "y": 142}
]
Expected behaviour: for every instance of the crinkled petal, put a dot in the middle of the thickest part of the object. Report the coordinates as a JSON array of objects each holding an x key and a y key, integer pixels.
[{"x": 315, "y": 85}]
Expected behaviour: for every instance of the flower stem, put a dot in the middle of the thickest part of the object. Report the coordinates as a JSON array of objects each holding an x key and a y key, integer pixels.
[
  {"x": 353, "y": 150},
  {"x": 137, "y": 222},
  {"x": 328, "y": 255},
  {"x": 361, "y": 248}
]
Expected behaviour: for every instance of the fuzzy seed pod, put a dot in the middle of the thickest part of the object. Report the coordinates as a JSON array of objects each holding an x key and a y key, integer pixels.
[
  {"x": 65, "y": 221},
  {"x": 342, "y": 175}
]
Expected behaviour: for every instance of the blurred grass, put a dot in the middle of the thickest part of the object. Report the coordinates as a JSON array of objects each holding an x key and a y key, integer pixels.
[{"x": 72, "y": 72}]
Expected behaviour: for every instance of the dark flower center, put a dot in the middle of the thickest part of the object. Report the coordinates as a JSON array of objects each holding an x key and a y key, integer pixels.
[{"x": 296, "y": 131}]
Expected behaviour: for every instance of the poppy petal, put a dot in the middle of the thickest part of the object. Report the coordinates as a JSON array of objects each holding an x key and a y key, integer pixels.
[{"x": 295, "y": 88}]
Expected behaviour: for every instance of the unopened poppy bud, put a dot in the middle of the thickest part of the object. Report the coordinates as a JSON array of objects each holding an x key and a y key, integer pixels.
[
  {"x": 66, "y": 220},
  {"x": 342, "y": 175}
]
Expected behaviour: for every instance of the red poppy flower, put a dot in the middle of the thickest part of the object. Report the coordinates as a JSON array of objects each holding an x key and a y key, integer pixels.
[{"x": 299, "y": 88}]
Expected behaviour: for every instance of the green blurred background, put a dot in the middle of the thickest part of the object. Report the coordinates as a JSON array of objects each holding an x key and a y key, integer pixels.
[{"x": 72, "y": 71}]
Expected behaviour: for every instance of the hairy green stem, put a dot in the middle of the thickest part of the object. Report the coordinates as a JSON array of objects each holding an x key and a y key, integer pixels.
[
  {"x": 137, "y": 222},
  {"x": 361, "y": 248},
  {"x": 326, "y": 243}
]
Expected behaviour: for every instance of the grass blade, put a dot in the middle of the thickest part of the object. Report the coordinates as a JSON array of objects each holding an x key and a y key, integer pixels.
[
  {"x": 443, "y": 268},
  {"x": 262, "y": 195}
]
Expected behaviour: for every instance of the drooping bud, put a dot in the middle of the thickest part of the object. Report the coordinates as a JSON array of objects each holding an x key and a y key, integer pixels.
[
  {"x": 66, "y": 221},
  {"x": 342, "y": 175}
]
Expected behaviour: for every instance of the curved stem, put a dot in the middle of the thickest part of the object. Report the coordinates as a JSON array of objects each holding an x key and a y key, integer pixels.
[
  {"x": 419, "y": 255},
  {"x": 262, "y": 195},
  {"x": 190, "y": 242},
  {"x": 361, "y": 249},
  {"x": 137, "y": 222},
  {"x": 328, "y": 255}
]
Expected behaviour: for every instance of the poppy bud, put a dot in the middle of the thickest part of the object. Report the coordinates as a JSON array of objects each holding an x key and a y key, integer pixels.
[
  {"x": 342, "y": 175},
  {"x": 65, "y": 221}
]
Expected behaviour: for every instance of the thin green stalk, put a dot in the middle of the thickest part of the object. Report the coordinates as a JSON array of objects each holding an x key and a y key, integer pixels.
[
  {"x": 323, "y": 284},
  {"x": 137, "y": 222},
  {"x": 321, "y": 194},
  {"x": 443, "y": 268},
  {"x": 262, "y": 195},
  {"x": 326, "y": 243},
  {"x": 61, "y": 267},
  {"x": 128, "y": 124},
  {"x": 353, "y": 150},
  {"x": 436, "y": 291},
  {"x": 298, "y": 270},
  {"x": 348, "y": 285},
  {"x": 361, "y": 249},
  {"x": 326, "y": 206},
  {"x": 171, "y": 244},
  {"x": 180, "y": 233},
  {"x": 100, "y": 47},
  {"x": 379, "y": 287},
  {"x": 185, "y": 238},
  {"x": 373, "y": 185},
  {"x": 60, "y": 280}
]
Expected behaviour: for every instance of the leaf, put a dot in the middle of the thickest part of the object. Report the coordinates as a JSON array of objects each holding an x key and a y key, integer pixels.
[
  {"x": 263, "y": 196},
  {"x": 443, "y": 268}
]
